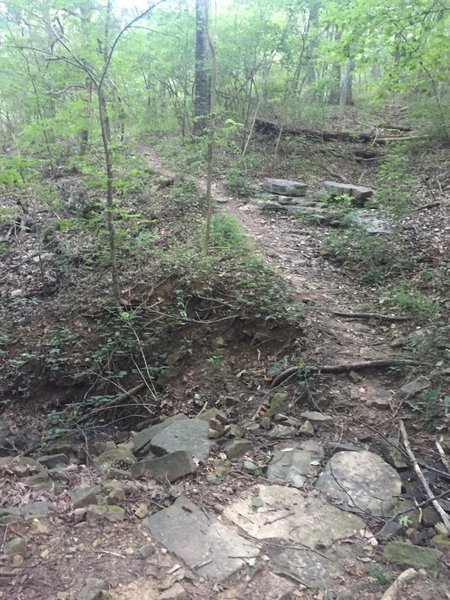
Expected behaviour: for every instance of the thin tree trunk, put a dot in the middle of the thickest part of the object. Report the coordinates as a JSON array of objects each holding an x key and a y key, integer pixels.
[
  {"x": 202, "y": 90},
  {"x": 346, "y": 98},
  {"x": 211, "y": 144}
]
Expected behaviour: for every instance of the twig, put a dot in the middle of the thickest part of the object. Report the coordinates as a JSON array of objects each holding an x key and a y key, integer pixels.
[
  {"x": 443, "y": 457},
  {"x": 426, "y": 206},
  {"x": 399, "y": 583},
  {"x": 358, "y": 366},
  {"x": 364, "y": 315},
  {"x": 111, "y": 403},
  {"x": 444, "y": 516}
]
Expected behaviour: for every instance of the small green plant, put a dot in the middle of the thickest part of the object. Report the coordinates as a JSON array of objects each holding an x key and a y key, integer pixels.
[
  {"x": 405, "y": 521},
  {"x": 227, "y": 233},
  {"x": 432, "y": 406},
  {"x": 379, "y": 574},
  {"x": 415, "y": 303},
  {"x": 237, "y": 181}
]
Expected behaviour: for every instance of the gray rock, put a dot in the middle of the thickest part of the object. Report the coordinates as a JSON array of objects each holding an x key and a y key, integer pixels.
[
  {"x": 285, "y": 187},
  {"x": 92, "y": 589},
  {"x": 84, "y": 496},
  {"x": 360, "y": 481},
  {"x": 19, "y": 465},
  {"x": 114, "y": 473},
  {"x": 307, "y": 429},
  {"x": 146, "y": 550},
  {"x": 141, "y": 440},
  {"x": 204, "y": 543},
  {"x": 53, "y": 460},
  {"x": 9, "y": 515},
  {"x": 389, "y": 530},
  {"x": 371, "y": 221},
  {"x": 402, "y": 553},
  {"x": 288, "y": 514},
  {"x": 116, "y": 457},
  {"x": 15, "y": 546},
  {"x": 237, "y": 448},
  {"x": 414, "y": 387},
  {"x": 358, "y": 192},
  {"x": 169, "y": 467},
  {"x": 110, "y": 512},
  {"x": 39, "y": 481},
  {"x": 293, "y": 465},
  {"x": 35, "y": 510},
  {"x": 190, "y": 435},
  {"x": 250, "y": 467},
  {"x": 176, "y": 592},
  {"x": 316, "y": 417},
  {"x": 282, "y": 432}
]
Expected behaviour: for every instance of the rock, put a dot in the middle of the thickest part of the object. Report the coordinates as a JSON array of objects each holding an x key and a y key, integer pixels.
[
  {"x": 414, "y": 387},
  {"x": 251, "y": 468},
  {"x": 442, "y": 541},
  {"x": 39, "y": 481},
  {"x": 371, "y": 221},
  {"x": 169, "y": 467},
  {"x": 190, "y": 435},
  {"x": 285, "y": 187},
  {"x": 142, "y": 439},
  {"x": 84, "y": 496},
  {"x": 35, "y": 510},
  {"x": 4, "y": 434},
  {"x": 441, "y": 529},
  {"x": 358, "y": 192},
  {"x": 214, "y": 434},
  {"x": 18, "y": 560},
  {"x": 282, "y": 432},
  {"x": 9, "y": 515},
  {"x": 389, "y": 530},
  {"x": 407, "y": 555},
  {"x": 204, "y": 543},
  {"x": 236, "y": 448},
  {"x": 146, "y": 550},
  {"x": 115, "y": 495},
  {"x": 114, "y": 473},
  {"x": 92, "y": 589},
  {"x": 293, "y": 465},
  {"x": 53, "y": 460},
  {"x": 316, "y": 417},
  {"x": 430, "y": 517},
  {"x": 360, "y": 481},
  {"x": 306, "y": 429},
  {"x": 213, "y": 413},
  {"x": 19, "y": 465},
  {"x": 15, "y": 546},
  {"x": 111, "y": 512},
  {"x": 142, "y": 511},
  {"x": 116, "y": 457},
  {"x": 266, "y": 423},
  {"x": 287, "y": 514},
  {"x": 279, "y": 403},
  {"x": 176, "y": 592}
]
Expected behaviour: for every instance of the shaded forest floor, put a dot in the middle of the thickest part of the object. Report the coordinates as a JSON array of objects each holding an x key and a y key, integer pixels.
[{"x": 214, "y": 333}]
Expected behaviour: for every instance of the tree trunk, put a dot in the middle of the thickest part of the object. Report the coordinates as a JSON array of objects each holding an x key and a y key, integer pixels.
[
  {"x": 346, "y": 98},
  {"x": 202, "y": 90}
]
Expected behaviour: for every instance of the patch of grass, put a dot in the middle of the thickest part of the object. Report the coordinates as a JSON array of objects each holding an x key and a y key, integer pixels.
[
  {"x": 375, "y": 259},
  {"x": 414, "y": 303},
  {"x": 227, "y": 233}
]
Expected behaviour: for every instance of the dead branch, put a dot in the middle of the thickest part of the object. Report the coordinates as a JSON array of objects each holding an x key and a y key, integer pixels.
[
  {"x": 427, "y": 206},
  {"x": 357, "y": 366},
  {"x": 444, "y": 516},
  {"x": 444, "y": 459},
  {"x": 113, "y": 402},
  {"x": 393, "y": 590},
  {"x": 364, "y": 315}
]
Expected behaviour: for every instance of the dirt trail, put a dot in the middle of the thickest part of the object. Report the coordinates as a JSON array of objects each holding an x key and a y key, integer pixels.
[{"x": 293, "y": 249}]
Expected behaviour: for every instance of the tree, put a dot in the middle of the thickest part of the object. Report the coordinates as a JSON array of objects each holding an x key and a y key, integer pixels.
[{"x": 202, "y": 97}]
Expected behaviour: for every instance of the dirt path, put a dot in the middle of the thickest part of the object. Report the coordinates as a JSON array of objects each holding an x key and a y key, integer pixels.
[{"x": 292, "y": 248}]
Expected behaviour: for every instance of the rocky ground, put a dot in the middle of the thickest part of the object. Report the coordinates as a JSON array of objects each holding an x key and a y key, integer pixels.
[{"x": 300, "y": 490}]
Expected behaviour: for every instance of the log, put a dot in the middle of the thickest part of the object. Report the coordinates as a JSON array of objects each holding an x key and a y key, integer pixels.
[{"x": 272, "y": 129}]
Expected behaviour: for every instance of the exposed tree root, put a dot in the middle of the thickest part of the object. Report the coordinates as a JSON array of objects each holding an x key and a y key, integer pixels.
[
  {"x": 393, "y": 590},
  {"x": 364, "y": 315},
  {"x": 357, "y": 366}
]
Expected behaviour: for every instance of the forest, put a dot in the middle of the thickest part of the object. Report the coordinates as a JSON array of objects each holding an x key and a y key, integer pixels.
[{"x": 224, "y": 300}]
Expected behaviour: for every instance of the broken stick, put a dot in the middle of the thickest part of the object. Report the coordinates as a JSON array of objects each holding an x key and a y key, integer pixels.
[
  {"x": 394, "y": 589},
  {"x": 444, "y": 516}
]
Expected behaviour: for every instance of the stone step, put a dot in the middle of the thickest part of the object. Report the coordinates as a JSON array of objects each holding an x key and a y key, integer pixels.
[
  {"x": 285, "y": 187},
  {"x": 358, "y": 192}
]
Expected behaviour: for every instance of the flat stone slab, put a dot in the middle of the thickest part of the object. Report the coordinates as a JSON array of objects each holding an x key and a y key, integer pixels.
[
  {"x": 293, "y": 465},
  {"x": 275, "y": 511},
  {"x": 142, "y": 439},
  {"x": 358, "y": 192},
  {"x": 316, "y": 570},
  {"x": 408, "y": 555},
  {"x": 360, "y": 482},
  {"x": 285, "y": 187},
  {"x": 190, "y": 435},
  {"x": 204, "y": 543},
  {"x": 169, "y": 467}
]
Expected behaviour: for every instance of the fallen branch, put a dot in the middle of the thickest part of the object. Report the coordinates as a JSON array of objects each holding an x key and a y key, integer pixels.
[
  {"x": 444, "y": 516},
  {"x": 364, "y": 315},
  {"x": 358, "y": 366},
  {"x": 429, "y": 205},
  {"x": 394, "y": 589},
  {"x": 444, "y": 459}
]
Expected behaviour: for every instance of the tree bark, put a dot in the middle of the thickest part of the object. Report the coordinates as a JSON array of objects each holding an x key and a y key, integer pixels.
[
  {"x": 202, "y": 94},
  {"x": 346, "y": 98}
]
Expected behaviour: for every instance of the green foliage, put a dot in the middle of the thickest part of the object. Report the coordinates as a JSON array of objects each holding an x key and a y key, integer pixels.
[
  {"x": 227, "y": 233},
  {"x": 416, "y": 304},
  {"x": 394, "y": 192},
  {"x": 375, "y": 259},
  {"x": 432, "y": 406}
]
